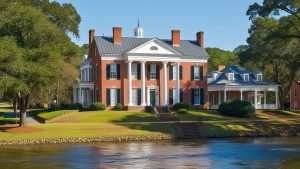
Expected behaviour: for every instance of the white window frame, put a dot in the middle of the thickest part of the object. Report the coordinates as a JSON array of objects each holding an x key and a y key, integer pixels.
[
  {"x": 197, "y": 97},
  {"x": 246, "y": 79},
  {"x": 261, "y": 78},
  {"x": 196, "y": 72},
  {"x": 153, "y": 72},
  {"x": 174, "y": 73},
  {"x": 230, "y": 75},
  {"x": 113, "y": 71},
  {"x": 134, "y": 71},
  {"x": 113, "y": 98}
]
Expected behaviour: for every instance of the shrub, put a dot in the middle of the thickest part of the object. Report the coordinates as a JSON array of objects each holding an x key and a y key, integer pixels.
[
  {"x": 97, "y": 106},
  {"x": 76, "y": 106},
  {"x": 118, "y": 106},
  {"x": 182, "y": 111},
  {"x": 237, "y": 108},
  {"x": 65, "y": 106},
  {"x": 181, "y": 105}
]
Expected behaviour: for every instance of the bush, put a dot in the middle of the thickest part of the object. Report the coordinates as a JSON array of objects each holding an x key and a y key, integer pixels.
[
  {"x": 65, "y": 106},
  {"x": 118, "y": 106},
  {"x": 97, "y": 106},
  {"x": 237, "y": 108},
  {"x": 76, "y": 106},
  {"x": 181, "y": 105},
  {"x": 182, "y": 111}
]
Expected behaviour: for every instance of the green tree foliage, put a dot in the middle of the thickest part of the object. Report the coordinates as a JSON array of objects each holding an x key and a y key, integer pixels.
[
  {"x": 273, "y": 45},
  {"x": 36, "y": 55},
  {"x": 220, "y": 57}
]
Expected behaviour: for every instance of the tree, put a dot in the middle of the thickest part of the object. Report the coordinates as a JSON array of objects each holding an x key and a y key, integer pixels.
[
  {"x": 220, "y": 57},
  {"x": 273, "y": 45},
  {"x": 33, "y": 49}
]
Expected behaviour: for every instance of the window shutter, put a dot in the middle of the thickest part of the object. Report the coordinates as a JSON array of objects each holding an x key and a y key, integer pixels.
[
  {"x": 201, "y": 72},
  {"x": 181, "y": 95},
  {"x": 118, "y": 72},
  {"x": 118, "y": 95},
  {"x": 148, "y": 72},
  {"x": 107, "y": 97},
  {"x": 171, "y": 72},
  {"x": 180, "y": 72},
  {"x": 171, "y": 96},
  {"x": 192, "y": 96},
  {"x": 201, "y": 96},
  {"x": 192, "y": 72},
  {"x": 139, "y": 95},
  {"x": 107, "y": 72},
  {"x": 157, "y": 72},
  {"x": 139, "y": 71}
]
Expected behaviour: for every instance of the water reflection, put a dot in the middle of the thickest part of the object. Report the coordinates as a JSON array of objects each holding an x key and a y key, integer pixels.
[{"x": 215, "y": 153}]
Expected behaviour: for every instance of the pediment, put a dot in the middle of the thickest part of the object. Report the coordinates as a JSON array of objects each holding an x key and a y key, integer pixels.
[{"x": 154, "y": 46}]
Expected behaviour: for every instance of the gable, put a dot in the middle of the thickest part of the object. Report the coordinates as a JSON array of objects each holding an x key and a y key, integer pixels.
[{"x": 154, "y": 47}]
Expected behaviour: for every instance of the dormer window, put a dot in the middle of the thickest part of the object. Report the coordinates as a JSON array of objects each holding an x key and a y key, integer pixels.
[
  {"x": 259, "y": 77},
  {"x": 230, "y": 76},
  {"x": 246, "y": 77},
  {"x": 153, "y": 48}
]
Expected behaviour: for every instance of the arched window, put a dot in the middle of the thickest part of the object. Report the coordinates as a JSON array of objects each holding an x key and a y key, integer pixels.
[{"x": 153, "y": 48}]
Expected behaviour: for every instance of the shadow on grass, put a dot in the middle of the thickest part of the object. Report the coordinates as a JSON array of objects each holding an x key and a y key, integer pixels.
[{"x": 146, "y": 122}]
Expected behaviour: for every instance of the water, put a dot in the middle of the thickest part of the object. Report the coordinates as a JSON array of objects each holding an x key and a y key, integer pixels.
[{"x": 236, "y": 153}]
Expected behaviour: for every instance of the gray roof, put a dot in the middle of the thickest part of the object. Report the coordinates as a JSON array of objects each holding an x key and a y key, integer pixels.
[
  {"x": 189, "y": 49},
  {"x": 238, "y": 77}
]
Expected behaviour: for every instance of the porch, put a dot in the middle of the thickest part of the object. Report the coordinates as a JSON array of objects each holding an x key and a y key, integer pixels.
[
  {"x": 264, "y": 97},
  {"x": 83, "y": 93}
]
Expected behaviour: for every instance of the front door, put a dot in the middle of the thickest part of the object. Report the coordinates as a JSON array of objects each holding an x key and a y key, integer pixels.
[{"x": 152, "y": 97}]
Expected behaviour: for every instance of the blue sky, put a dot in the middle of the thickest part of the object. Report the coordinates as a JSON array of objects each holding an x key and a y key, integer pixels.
[{"x": 224, "y": 22}]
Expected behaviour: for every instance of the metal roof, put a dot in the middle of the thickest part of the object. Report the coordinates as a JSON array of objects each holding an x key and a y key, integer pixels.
[
  {"x": 238, "y": 77},
  {"x": 189, "y": 49}
]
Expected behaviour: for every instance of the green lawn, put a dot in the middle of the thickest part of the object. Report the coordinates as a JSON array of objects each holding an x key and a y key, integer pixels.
[
  {"x": 87, "y": 130},
  {"x": 201, "y": 115},
  {"x": 6, "y": 107},
  {"x": 50, "y": 115},
  {"x": 109, "y": 117}
]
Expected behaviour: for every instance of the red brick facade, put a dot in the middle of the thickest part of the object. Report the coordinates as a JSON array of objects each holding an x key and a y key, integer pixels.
[
  {"x": 295, "y": 96},
  {"x": 101, "y": 83}
]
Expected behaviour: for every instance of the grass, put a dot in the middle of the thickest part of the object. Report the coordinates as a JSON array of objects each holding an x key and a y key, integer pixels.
[
  {"x": 87, "y": 130},
  {"x": 6, "y": 107},
  {"x": 200, "y": 115},
  {"x": 52, "y": 114},
  {"x": 109, "y": 117}
]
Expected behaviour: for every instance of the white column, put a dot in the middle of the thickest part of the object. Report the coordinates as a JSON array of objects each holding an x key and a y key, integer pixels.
[
  {"x": 276, "y": 103},
  {"x": 241, "y": 95},
  {"x": 178, "y": 82},
  {"x": 129, "y": 83},
  {"x": 81, "y": 95},
  {"x": 255, "y": 99},
  {"x": 219, "y": 97},
  {"x": 225, "y": 95},
  {"x": 265, "y": 99},
  {"x": 165, "y": 85},
  {"x": 143, "y": 90}
]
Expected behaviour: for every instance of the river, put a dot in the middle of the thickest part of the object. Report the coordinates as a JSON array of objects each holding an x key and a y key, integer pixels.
[{"x": 205, "y": 153}]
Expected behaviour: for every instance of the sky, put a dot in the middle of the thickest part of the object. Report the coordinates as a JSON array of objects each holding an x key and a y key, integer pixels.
[{"x": 224, "y": 22}]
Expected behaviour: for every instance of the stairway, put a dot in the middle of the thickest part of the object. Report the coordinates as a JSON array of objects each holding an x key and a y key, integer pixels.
[
  {"x": 188, "y": 130},
  {"x": 164, "y": 113}
]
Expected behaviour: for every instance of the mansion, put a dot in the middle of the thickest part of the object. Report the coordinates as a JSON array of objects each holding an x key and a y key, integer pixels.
[{"x": 138, "y": 72}]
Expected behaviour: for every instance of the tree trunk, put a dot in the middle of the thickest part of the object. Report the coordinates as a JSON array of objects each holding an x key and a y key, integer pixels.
[
  {"x": 23, "y": 104},
  {"x": 23, "y": 117}
]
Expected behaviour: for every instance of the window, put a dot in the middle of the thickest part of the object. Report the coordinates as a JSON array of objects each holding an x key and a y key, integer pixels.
[
  {"x": 196, "y": 72},
  {"x": 196, "y": 96},
  {"x": 134, "y": 71},
  {"x": 173, "y": 96},
  {"x": 113, "y": 71},
  {"x": 174, "y": 73},
  {"x": 113, "y": 97},
  {"x": 152, "y": 71},
  {"x": 96, "y": 72},
  {"x": 231, "y": 76},
  {"x": 246, "y": 77},
  {"x": 153, "y": 48},
  {"x": 135, "y": 97},
  {"x": 259, "y": 77}
]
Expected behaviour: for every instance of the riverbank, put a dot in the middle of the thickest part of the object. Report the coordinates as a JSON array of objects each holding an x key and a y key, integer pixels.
[{"x": 124, "y": 126}]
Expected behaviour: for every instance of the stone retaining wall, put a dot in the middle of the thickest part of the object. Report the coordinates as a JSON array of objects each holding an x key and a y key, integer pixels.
[{"x": 87, "y": 140}]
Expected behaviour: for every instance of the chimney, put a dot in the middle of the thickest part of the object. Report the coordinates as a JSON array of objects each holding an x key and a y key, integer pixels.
[
  {"x": 117, "y": 35},
  {"x": 176, "y": 37},
  {"x": 200, "y": 38},
  {"x": 220, "y": 67},
  {"x": 91, "y": 39}
]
